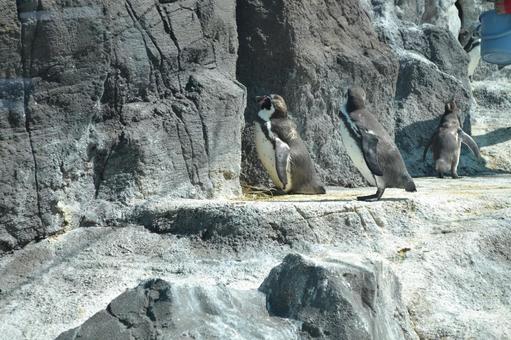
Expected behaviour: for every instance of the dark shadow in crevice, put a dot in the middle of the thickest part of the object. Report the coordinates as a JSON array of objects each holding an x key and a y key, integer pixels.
[{"x": 263, "y": 66}]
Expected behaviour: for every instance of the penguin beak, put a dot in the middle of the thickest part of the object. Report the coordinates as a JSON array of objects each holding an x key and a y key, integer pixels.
[{"x": 262, "y": 99}]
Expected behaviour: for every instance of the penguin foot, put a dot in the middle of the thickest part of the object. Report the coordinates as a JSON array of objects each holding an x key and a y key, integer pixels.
[
  {"x": 455, "y": 176},
  {"x": 372, "y": 198},
  {"x": 277, "y": 192}
]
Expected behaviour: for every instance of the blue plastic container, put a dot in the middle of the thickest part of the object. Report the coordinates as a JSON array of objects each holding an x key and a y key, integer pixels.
[{"x": 496, "y": 37}]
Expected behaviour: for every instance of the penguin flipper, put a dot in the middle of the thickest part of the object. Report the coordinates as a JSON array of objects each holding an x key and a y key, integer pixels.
[
  {"x": 427, "y": 147},
  {"x": 370, "y": 150},
  {"x": 282, "y": 151},
  {"x": 470, "y": 142}
]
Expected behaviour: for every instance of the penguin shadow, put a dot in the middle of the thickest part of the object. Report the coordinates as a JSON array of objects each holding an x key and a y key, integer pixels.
[
  {"x": 273, "y": 194},
  {"x": 389, "y": 199},
  {"x": 412, "y": 140},
  {"x": 495, "y": 137},
  {"x": 276, "y": 195}
]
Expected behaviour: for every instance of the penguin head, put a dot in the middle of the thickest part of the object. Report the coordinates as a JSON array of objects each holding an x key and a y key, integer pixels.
[
  {"x": 464, "y": 36},
  {"x": 450, "y": 106},
  {"x": 451, "y": 115},
  {"x": 271, "y": 106},
  {"x": 470, "y": 38},
  {"x": 356, "y": 99}
]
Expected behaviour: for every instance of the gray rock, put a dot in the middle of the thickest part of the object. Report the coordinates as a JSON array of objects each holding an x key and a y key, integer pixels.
[
  {"x": 341, "y": 298},
  {"x": 19, "y": 205},
  {"x": 240, "y": 225},
  {"x": 114, "y": 102},
  {"x": 157, "y": 309},
  {"x": 446, "y": 244}
]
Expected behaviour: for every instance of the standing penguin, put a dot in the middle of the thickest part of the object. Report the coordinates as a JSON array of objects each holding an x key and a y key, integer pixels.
[
  {"x": 470, "y": 40},
  {"x": 473, "y": 49},
  {"x": 282, "y": 151},
  {"x": 371, "y": 149},
  {"x": 446, "y": 142}
]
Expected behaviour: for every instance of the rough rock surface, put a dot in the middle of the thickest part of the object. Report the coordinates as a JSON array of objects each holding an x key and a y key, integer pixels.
[
  {"x": 338, "y": 298},
  {"x": 491, "y": 125},
  {"x": 448, "y": 245},
  {"x": 106, "y": 102},
  {"x": 112, "y": 113},
  {"x": 157, "y": 309}
]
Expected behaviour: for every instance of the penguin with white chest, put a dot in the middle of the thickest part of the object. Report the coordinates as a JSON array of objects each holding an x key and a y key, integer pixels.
[
  {"x": 281, "y": 150},
  {"x": 473, "y": 48},
  {"x": 371, "y": 149}
]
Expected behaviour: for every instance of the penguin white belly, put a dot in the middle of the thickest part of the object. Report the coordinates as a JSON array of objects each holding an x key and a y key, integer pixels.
[
  {"x": 475, "y": 57},
  {"x": 266, "y": 154},
  {"x": 356, "y": 155}
]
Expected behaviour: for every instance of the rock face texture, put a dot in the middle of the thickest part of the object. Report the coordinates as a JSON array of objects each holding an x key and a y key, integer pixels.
[
  {"x": 448, "y": 246},
  {"x": 491, "y": 127},
  {"x": 347, "y": 299},
  {"x": 110, "y": 102},
  {"x": 125, "y": 130},
  {"x": 339, "y": 300},
  {"x": 19, "y": 205},
  {"x": 157, "y": 309}
]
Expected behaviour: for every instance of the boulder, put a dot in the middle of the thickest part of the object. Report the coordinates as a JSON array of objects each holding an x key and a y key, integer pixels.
[
  {"x": 157, "y": 309},
  {"x": 338, "y": 298}
]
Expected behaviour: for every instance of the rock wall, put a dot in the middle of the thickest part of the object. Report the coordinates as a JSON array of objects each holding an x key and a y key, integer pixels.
[
  {"x": 106, "y": 103},
  {"x": 215, "y": 268},
  {"x": 353, "y": 298}
]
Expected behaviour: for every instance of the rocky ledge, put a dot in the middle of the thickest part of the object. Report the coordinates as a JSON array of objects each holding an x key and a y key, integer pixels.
[{"x": 432, "y": 264}]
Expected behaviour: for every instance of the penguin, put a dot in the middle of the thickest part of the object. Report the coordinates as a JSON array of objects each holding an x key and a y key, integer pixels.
[
  {"x": 446, "y": 142},
  {"x": 371, "y": 149},
  {"x": 281, "y": 150},
  {"x": 470, "y": 39}
]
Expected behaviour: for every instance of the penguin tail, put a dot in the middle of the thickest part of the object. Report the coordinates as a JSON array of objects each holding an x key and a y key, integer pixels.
[{"x": 410, "y": 186}]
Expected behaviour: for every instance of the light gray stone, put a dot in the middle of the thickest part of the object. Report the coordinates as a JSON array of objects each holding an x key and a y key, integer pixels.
[{"x": 448, "y": 245}]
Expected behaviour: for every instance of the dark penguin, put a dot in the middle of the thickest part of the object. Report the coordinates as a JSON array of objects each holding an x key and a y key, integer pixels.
[
  {"x": 371, "y": 149},
  {"x": 446, "y": 142},
  {"x": 282, "y": 151}
]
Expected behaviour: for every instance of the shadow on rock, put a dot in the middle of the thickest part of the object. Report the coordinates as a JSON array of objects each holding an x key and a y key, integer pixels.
[
  {"x": 498, "y": 136},
  {"x": 413, "y": 138}
]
